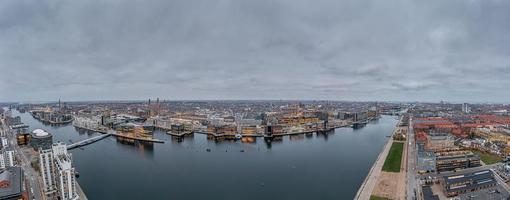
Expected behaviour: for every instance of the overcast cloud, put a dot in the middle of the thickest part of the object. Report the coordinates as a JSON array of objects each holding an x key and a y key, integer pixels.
[{"x": 455, "y": 50}]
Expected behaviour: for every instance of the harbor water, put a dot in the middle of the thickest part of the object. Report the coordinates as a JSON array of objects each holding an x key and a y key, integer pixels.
[{"x": 318, "y": 166}]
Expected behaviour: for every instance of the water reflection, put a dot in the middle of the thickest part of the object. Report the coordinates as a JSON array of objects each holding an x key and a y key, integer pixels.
[
  {"x": 143, "y": 148},
  {"x": 179, "y": 139},
  {"x": 297, "y": 137},
  {"x": 82, "y": 131},
  {"x": 324, "y": 135},
  {"x": 249, "y": 139},
  {"x": 53, "y": 125},
  {"x": 268, "y": 143},
  {"x": 358, "y": 126}
]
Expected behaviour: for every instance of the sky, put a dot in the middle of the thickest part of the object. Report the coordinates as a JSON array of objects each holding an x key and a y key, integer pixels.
[{"x": 359, "y": 50}]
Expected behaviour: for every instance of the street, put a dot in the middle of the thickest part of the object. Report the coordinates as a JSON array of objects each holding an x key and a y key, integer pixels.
[
  {"x": 34, "y": 188},
  {"x": 411, "y": 163}
]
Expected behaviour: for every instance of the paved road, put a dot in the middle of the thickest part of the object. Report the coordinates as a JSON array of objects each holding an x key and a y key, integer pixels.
[
  {"x": 34, "y": 188},
  {"x": 411, "y": 183}
]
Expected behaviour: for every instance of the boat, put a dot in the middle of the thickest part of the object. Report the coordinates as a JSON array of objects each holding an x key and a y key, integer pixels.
[{"x": 239, "y": 136}]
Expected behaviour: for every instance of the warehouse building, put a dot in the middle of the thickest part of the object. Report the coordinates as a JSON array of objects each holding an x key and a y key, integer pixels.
[{"x": 464, "y": 183}]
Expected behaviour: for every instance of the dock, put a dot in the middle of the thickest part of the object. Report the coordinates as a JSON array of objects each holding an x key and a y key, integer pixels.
[
  {"x": 222, "y": 135},
  {"x": 180, "y": 134},
  {"x": 138, "y": 138}
]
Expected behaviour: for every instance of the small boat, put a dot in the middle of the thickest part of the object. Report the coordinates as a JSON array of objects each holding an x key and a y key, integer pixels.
[
  {"x": 239, "y": 136},
  {"x": 208, "y": 150}
]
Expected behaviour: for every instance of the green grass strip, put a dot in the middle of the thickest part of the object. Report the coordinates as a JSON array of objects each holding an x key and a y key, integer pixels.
[
  {"x": 372, "y": 197},
  {"x": 394, "y": 158},
  {"x": 488, "y": 158}
]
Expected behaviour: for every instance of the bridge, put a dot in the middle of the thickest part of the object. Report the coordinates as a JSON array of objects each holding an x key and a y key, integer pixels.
[{"x": 88, "y": 141}]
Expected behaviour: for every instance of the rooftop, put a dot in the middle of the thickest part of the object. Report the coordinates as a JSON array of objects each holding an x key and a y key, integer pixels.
[
  {"x": 10, "y": 183},
  {"x": 469, "y": 181},
  {"x": 40, "y": 133}
]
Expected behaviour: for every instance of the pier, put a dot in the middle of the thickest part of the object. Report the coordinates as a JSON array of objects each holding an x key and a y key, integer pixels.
[
  {"x": 179, "y": 134},
  {"x": 137, "y": 138},
  {"x": 222, "y": 135}
]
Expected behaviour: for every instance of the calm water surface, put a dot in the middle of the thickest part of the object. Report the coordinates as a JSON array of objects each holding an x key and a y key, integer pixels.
[{"x": 322, "y": 167}]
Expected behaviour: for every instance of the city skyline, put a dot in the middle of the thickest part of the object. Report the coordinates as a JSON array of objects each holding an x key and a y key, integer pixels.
[
  {"x": 289, "y": 101},
  {"x": 254, "y": 99},
  {"x": 210, "y": 50}
]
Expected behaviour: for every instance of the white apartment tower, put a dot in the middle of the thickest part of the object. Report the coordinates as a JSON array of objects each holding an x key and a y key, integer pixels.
[
  {"x": 6, "y": 158},
  {"x": 466, "y": 108},
  {"x": 5, "y": 142},
  {"x": 2, "y": 161},
  {"x": 46, "y": 168},
  {"x": 6, "y": 154},
  {"x": 57, "y": 171},
  {"x": 9, "y": 158}
]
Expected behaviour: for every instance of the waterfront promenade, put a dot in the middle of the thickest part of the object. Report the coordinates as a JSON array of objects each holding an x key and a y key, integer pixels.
[
  {"x": 331, "y": 128},
  {"x": 80, "y": 192},
  {"x": 262, "y": 135},
  {"x": 368, "y": 185}
]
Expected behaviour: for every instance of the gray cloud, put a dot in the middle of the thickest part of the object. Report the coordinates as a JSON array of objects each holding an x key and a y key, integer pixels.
[{"x": 240, "y": 49}]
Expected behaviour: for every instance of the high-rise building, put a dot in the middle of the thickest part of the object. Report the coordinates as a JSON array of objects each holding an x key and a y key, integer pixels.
[
  {"x": 46, "y": 167},
  {"x": 5, "y": 143},
  {"x": 2, "y": 161},
  {"x": 6, "y": 154},
  {"x": 9, "y": 157},
  {"x": 41, "y": 139},
  {"x": 466, "y": 108},
  {"x": 57, "y": 171}
]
